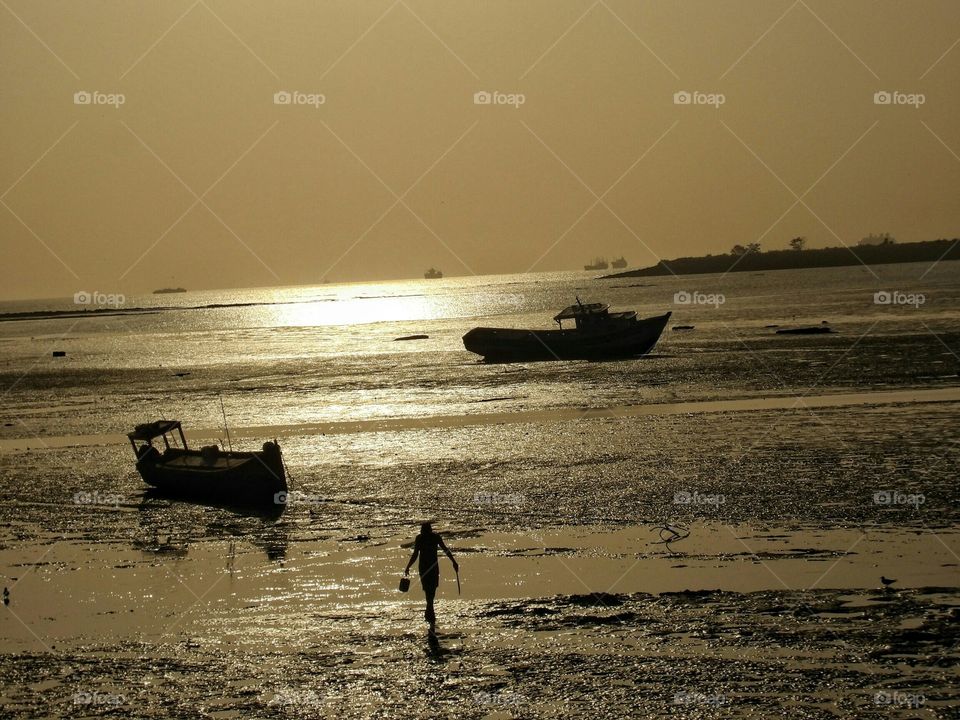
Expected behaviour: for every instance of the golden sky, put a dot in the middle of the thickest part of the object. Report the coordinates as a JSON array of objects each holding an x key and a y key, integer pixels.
[{"x": 143, "y": 143}]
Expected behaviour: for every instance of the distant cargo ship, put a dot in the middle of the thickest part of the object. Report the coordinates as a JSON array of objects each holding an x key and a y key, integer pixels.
[
  {"x": 598, "y": 264},
  {"x": 433, "y": 274},
  {"x": 165, "y": 291},
  {"x": 620, "y": 262}
]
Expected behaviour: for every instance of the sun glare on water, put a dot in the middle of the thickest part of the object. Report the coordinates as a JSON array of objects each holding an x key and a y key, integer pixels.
[{"x": 358, "y": 305}]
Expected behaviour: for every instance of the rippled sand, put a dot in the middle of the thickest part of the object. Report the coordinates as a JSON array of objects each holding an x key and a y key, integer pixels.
[
  {"x": 571, "y": 602},
  {"x": 814, "y": 654}
]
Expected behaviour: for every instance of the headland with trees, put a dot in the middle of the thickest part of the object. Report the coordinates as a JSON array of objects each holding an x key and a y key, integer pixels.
[{"x": 872, "y": 250}]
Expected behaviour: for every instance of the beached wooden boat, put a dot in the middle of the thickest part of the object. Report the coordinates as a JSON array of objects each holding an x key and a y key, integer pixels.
[
  {"x": 209, "y": 473},
  {"x": 597, "y": 334}
]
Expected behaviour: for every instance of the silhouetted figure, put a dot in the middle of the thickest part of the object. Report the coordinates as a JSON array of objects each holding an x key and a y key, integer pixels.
[
  {"x": 425, "y": 547},
  {"x": 887, "y": 582}
]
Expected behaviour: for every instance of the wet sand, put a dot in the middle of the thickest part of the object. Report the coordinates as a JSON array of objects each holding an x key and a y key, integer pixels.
[
  {"x": 729, "y": 622},
  {"x": 572, "y": 604},
  {"x": 786, "y": 402}
]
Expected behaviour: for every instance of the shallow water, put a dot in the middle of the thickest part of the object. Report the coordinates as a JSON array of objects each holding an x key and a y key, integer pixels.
[
  {"x": 555, "y": 484},
  {"x": 329, "y": 353}
]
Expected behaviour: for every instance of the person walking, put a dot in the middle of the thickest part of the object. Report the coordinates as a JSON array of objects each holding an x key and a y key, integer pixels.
[{"x": 425, "y": 547}]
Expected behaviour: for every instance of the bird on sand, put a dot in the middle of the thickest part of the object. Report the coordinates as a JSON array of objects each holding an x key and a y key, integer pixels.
[{"x": 887, "y": 582}]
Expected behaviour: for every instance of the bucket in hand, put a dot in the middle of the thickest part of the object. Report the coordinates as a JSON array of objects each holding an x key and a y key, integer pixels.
[{"x": 404, "y": 584}]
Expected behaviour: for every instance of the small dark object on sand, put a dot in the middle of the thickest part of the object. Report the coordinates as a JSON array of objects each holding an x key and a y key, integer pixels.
[
  {"x": 771, "y": 326},
  {"x": 683, "y": 327},
  {"x": 181, "y": 374},
  {"x": 412, "y": 337},
  {"x": 815, "y": 330},
  {"x": 887, "y": 582},
  {"x": 6, "y": 596},
  {"x": 59, "y": 353}
]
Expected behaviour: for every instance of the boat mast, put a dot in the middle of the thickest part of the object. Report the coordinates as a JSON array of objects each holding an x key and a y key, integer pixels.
[{"x": 225, "y": 428}]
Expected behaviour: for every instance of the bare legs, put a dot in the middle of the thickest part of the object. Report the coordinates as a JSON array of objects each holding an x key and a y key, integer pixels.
[{"x": 430, "y": 591}]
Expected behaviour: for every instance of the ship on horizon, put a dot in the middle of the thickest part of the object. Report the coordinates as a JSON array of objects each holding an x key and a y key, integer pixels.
[
  {"x": 433, "y": 274},
  {"x": 599, "y": 263},
  {"x": 618, "y": 263}
]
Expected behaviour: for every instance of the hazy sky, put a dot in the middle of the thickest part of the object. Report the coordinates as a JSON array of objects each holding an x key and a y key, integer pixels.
[{"x": 200, "y": 179}]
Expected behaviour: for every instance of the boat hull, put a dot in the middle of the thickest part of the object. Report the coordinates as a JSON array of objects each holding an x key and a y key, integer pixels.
[
  {"x": 622, "y": 341},
  {"x": 236, "y": 478}
]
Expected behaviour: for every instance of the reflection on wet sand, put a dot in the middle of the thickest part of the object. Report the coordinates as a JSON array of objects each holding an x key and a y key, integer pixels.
[{"x": 262, "y": 527}]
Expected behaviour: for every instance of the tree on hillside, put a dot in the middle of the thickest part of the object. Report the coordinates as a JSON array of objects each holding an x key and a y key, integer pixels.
[
  {"x": 738, "y": 250},
  {"x": 753, "y": 247},
  {"x": 798, "y": 243}
]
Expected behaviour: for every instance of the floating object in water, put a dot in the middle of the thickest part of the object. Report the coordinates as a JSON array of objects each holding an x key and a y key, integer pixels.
[
  {"x": 597, "y": 334},
  {"x": 684, "y": 327},
  {"x": 169, "y": 290},
  {"x": 59, "y": 353},
  {"x": 815, "y": 330},
  {"x": 887, "y": 582},
  {"x": 226, "y": 476},
  {"x": 412, "y": 337}
]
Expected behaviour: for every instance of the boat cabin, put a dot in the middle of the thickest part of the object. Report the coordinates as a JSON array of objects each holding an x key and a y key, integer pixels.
[
  {"x": 587, "y": 316},
  {"x": 146, "y": 432}
]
